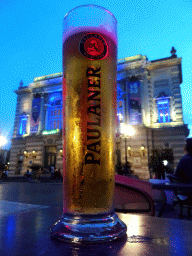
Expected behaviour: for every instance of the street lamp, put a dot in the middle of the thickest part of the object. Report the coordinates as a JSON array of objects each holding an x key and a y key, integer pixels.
[
  {"x": 142, "y": 151},
  {"x": 165, "y": 162},
  {"x": 34, "y": 154},
  {"x": 126, "y": 132},
  {"x": 3, "y": 140}
]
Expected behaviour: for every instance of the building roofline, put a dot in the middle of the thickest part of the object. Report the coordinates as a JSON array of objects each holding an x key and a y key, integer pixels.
[{"x": 162, "y": 63}]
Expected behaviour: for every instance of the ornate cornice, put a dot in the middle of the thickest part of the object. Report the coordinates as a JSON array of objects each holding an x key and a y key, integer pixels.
[
  {"x": 23, "y": 90},
  {"x": 164, "y": 63}
]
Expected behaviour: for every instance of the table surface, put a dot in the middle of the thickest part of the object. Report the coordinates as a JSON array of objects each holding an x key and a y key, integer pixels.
[{"x": 28, "y": 211}]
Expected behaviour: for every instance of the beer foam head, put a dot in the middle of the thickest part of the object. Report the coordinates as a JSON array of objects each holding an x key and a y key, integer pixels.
[
  {"x": 91, "y": 18},
  {"x": 101, "y": 30}
]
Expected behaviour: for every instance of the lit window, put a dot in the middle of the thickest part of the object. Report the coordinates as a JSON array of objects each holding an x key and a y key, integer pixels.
[
  {"x": 54, "y": 112},
  {"x": 120, "y": 108},
  {"x": 163, "y": 110},
  {"x": 120, "y": 116},
  {"x": 23, "y": 125}
]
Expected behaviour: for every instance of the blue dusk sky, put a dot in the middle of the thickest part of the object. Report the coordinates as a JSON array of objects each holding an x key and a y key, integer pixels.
[{"x": 31, "y": 42}]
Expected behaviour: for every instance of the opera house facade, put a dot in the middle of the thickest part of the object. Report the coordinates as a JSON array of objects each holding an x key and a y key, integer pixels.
[{"x": 148, "y": 99}]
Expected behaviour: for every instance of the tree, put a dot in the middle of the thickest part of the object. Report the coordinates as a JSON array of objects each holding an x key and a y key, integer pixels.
[{"x": 157, "y": 158}]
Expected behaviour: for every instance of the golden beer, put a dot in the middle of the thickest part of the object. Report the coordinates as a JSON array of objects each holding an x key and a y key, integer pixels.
[
  {"x": 89, "y": 67},
  {"x": 89, "y": 100}
]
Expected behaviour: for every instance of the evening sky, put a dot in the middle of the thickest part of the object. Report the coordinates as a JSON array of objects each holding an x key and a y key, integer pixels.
[{"x": 31, "y": 42}]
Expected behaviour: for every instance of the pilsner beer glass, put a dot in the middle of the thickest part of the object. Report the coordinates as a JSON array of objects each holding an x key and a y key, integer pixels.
[{"x": 89, "y": 99}]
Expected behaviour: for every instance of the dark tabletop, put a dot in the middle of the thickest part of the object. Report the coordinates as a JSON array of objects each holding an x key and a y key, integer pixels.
[{"x": 28, "y": 210}]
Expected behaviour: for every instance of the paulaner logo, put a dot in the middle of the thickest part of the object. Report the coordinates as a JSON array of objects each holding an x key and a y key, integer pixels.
[
  {"x": 93, "y": 46},
  {"x": 94, "y": 111}
]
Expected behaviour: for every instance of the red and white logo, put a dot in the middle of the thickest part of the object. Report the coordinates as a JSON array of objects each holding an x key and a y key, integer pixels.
[{"x": 93, "y": 46}]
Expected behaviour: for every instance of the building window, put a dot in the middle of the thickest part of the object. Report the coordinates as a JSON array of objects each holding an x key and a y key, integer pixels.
[
  {"x": 120, "y": 113},
  {"x": 163, "y": 110},
  {"x": 54, "y": 112},
  {"x": 23, "y": 125}
]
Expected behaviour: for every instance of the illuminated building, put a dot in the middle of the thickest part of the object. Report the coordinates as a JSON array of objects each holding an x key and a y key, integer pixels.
[
  {"x": 37, "y": 135},
  {"x": 148, "y": 98}
]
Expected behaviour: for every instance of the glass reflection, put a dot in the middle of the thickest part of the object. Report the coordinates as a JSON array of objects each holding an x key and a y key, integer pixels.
[{"x": 133, "y": 226}]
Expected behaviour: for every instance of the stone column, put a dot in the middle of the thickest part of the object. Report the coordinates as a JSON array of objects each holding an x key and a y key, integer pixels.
[
  {"x": 16, "y": 123},
  {"x": 41, "y": 116}
]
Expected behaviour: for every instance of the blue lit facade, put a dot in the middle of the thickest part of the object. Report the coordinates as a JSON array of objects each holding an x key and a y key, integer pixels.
[
  {"x": 54, "y": 112},
  {"x": 148, "y": 99},
  {"x": 120, "y": 104},
  {"x": 37, "y": 136},
  {"x": 148, "y": 92}
]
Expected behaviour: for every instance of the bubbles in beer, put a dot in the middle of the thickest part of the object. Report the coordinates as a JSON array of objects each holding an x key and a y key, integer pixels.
[{"x": 90, "y": 89}]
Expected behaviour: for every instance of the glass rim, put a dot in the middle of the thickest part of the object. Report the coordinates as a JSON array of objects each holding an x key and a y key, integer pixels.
[{"x": 89, "y": 5}]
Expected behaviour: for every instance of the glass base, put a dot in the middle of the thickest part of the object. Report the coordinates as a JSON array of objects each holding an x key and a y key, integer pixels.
[{"x": 89, "y": 228}]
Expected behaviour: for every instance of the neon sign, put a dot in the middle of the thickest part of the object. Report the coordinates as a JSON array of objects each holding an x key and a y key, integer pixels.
[{"x": 48, "y": 132}]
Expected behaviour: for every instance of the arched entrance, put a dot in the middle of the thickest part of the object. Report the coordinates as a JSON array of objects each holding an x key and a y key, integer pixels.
[{"x": 50, "y": 156}]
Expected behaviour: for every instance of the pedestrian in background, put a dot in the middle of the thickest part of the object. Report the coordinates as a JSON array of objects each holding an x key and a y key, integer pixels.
[
  {"x": 184, "y": 167},
  {"x": 52, "y": 172}
]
